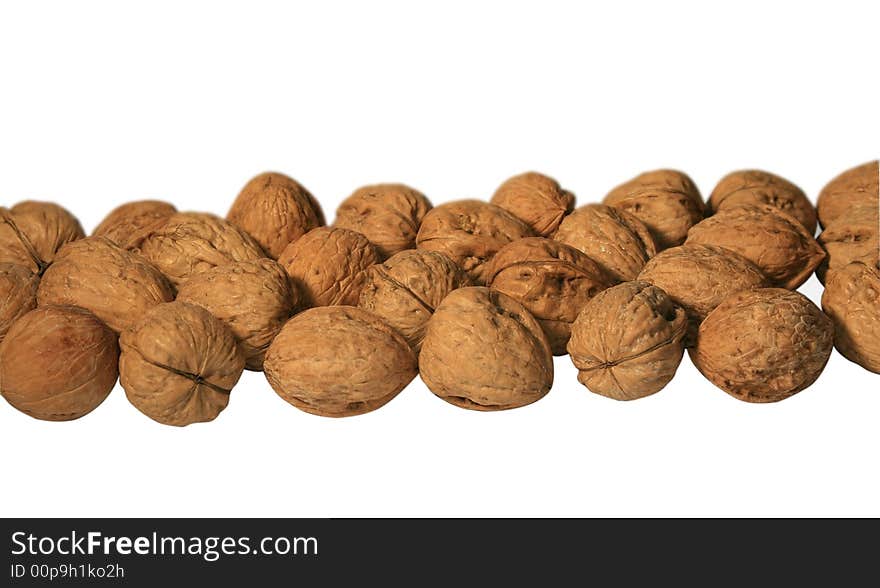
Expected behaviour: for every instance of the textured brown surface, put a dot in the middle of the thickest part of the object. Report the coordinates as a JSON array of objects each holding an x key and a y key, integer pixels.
[
  {"x": 854, "y": 188},
  {"x": 699, "y": 277},
  {"x": 179, "y": 364},
  {"x": 193, "y": 242},
  {"x": 339, "y": 361},
  {"x": 18, "y": 294},
  {"x": 628, "y": 341},
  {"x": 275, "y": 210},
  {"x": 484, "y": 351},
  {"x": 537, "y": 200},
  {"x": 852, "y": 300},
  {"x": 118, "y": 286},
  {"x": 470, "y": 232},
  {"x": 328, "y": 264},
  {"x": 551, "y": 279},
  {"x": 58, "y": 363},
  {"x": 667, "y": 201},
  {"x": 127, "y": 225},
  {"x": 32, "y": 232},
  {"x": 854, "y": 236},
  {"x": 763, "y": 345},
  {"x": 389, "y": 215},
  {"x": 253, "y": 298},
  {"x": 405, "y": 290},
  {"x": 754, "y": 186},
  {"x": 619, "y": 242},
  {"x": 775, "y": 242}
]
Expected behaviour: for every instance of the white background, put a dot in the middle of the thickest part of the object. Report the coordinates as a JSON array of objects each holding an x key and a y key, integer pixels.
[{"x": 104, "y": 102}]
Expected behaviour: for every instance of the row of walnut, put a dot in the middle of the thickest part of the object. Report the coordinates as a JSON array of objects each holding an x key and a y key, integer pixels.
[{"x": 474, "y": 296}]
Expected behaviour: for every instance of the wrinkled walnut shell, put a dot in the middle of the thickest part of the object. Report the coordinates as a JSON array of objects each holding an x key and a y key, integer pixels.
[
  {"x": 18, "y": 294},
  {"x": 537, "y": 200},
  {"x": 127, "y": 225},
  {"x": 855, "y": 188},
  {"x": 32, "y": 232},
  {"x": 855, "y": 236},
  {"x": 852, "y": 301},
  {"x": 754, "y": 186}
]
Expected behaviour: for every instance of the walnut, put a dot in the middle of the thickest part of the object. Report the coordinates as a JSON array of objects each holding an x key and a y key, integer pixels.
[
  {"x": 775, "y": 242},
  {"x": 851, "y": 237},
  {"x": 179, "y": 364},
  {"x": 854, "y": 188},
  {"x": 667, "y": 201},
  {"x": 699, "y": 277},
  {"x": 405, "y": 290},
  {"x": 18, "y": 293},
  {"x": 484, "y": 351},
  {"x": 253, "y": 298},
  {"x": 754, "y": 186},
  {"x": 118, "y": 286},
  {"x": 339, "y": 361},
  {"x": 389, "y": 215},
  {"x": 763, "y": 345},
  {"x": 537, "y": 200},
  {"x": 192, "y": 242},
  {"x": 275, "y": 210},
  {"x": 58, "y": 363},
  {"x": 627, "y": 342},
  {"x": 852, "y": 300},
  {"x": 127, "y": 225},
  {"x": 327, "y": 265},
  {"x": 552, "y": 280},
  {"x": 614, "y": 239},
  {"x": 32, "y": 232},
  {"x": 470, "y": 232}
]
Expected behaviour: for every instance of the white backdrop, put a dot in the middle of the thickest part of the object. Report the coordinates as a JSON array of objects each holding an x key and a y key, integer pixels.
[{"x": 101, "y": 102}]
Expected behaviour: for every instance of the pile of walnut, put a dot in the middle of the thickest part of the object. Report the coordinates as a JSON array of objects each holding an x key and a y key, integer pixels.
[{"x": 476, "y": 297}]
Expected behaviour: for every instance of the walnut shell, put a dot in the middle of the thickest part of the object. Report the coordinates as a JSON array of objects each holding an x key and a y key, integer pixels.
[
  {"x": 94, "y": 273},
  {"x": 628, "y": 341},
  {"x": 699, "y": 277},
  {"x": 253, "y": 298},
  {"x": 389, "y": 215},
  {"x": 327, "y": 265},
  {"x": 667, "y": 201},
  {"x": 128, "y": 224},
  {"x": 854, "y": 188},
  {"x": 32, "y": 232},
  {"x": 193, "y": 242},
  {"x": 470, "y": 232},
  {"x": 754, "y": 186},
  {"x": 339, "y": 361},
  {"x": 18, "y": 293},
  {"x": 275, "y": 210},
  {"x": 552, "y": 280},
  {"x": 179, "y": 364},
  {"x": 484, "y": 351},
  {"x": 619, "y": 242},
  {"x": 852, "y": 301},
  {"x": 537, "y": 200},
  {"x": 405, "y": 290},
  {"x": 851, "y": 237},
  {"x": 763, "y": 345},
  {"x": 775, "y": 242},
  {"x": 58, "y": 363}
]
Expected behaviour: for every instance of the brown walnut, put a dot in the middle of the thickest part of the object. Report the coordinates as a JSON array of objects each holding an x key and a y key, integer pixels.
[
  {"x": 128, "y": 224},
  {"x": 855, "y": 188},
  {"x": 18, "y": 294},
  {"x": 754, "y": 186},
  {"x": 854, "y": 236},
  {"x": 537, "y": 200},
  {"x": 852, "y": 300},
  {"x": 32, "y": 232}
]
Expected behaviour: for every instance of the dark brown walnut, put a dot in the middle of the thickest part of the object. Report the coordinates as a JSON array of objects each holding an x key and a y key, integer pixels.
[
  {"x": 854, "y": 188},
  {"x": 484, "y": 351},
  {"x": 699, "y": 277},
  {"x": 470, "y": 232},
  {"x": 94, "y": 273},
  {"x": 179, "y": 364},
  {"x": 619, "y": 242},
  {"x": 328, "y": 265},
  {"x": 405, "y": 290},
  {"x": 627, "y": 342},
  {"x": 127, "y": 225},
  {"x": 754, "y": 186},
  {"x": 851, "y": 237},
  {"x": 32, "y": 232},
  {"x": 763, "y": 345},
  {"x": 58, "y": 363},
  {"x": 852, "y": 300},
  {"x": 551, "y": 279},
  {"x": 275, "y": 210},
  {"x": 253, "y": 298},
  {"x": 775, "y": 242},
  {"x": 339, "y": 361},
  {"x": 18, "y": 294},
  {"x": 190, "y": 243},
  {"x": 537, "y": 200},
  {"x": 389, "y": 215},
  {"x": 667, "y": 201}
]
